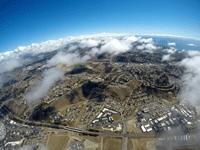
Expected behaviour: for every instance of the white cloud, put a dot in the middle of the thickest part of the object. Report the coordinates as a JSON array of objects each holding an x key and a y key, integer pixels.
[
  {"x": 111, "y": 43},
  {"x": 72, "y": 47},
  {"x": 150, "y": 46},
  {"x": 89, "y": 43},
  {"x": 51, "y": 45},
  {"x": 132, "y": 39},
  {"x": 193, "y": 53},
  {"x": 115, "y": 46},
  {"x": 93, "y": 51},
  {"x": 50, "y": 78},
  {"x": 171, "y": 50},
  {"x": 67, "y": 59},
  {"x": 166, "y": 57},
  {"x": 141, "y": 47},
  {"x": 191, "y": 44},
  {"x": 147, "y": 47},
  {"x": 191, "y": 80},
  {"x": 12, "y": 63},
  {"x": 172, "y": 44},
  {"x": 149, "y": 40}
]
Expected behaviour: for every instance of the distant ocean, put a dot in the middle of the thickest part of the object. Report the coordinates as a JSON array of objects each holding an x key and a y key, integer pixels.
[{"x": 181, "y": 43}]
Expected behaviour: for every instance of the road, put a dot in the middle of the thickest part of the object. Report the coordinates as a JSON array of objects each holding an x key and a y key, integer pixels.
[
  {"x": 125, "y": 139},
  {"x": 77, "y": 130},
  {"x": 101, "y": 143}
]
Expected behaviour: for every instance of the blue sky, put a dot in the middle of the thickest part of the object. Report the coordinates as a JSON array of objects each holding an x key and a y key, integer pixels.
[{"x": 23, "y": 22}]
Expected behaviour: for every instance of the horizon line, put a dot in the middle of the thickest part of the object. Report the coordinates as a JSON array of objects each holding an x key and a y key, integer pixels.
[{"x": 168, "y": 35}]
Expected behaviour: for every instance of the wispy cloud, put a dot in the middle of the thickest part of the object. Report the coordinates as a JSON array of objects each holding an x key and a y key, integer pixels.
[
  {"x": 50, "y": 77},
  {"x": 191, "y": 44},
  {"x": 172, "y": 44}
]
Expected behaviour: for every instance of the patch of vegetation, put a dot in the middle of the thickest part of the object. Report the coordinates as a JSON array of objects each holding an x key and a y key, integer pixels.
[
  {"x": 79, "y": 65},
  {"x": 163, "y": 80},
  {"x": 93, "y": 130},
  {"x": 23, "y": 111}
]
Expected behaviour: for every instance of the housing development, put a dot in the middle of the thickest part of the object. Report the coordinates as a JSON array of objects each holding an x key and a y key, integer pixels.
[{"x": 127, "y": 101}]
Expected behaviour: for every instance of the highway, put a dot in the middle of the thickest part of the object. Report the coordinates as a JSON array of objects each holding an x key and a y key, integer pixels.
[
  {"x": 81, "y": 131},
  {"x": 77, "y": 130}
]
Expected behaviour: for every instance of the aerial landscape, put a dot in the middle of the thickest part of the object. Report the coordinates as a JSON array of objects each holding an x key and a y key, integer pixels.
[{"x": 94, "y": 90}]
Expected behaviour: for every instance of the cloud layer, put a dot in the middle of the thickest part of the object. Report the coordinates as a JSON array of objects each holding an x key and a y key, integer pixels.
[
  {"x": 50, "y": 77},
  {"x": 90, "y": 45},
  {"x": 112, "y": 43},
  {"x": 68, "y": 51}
]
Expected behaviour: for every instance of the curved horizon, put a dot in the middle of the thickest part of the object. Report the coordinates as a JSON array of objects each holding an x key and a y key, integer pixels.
[{"x": 27, "y": 22}]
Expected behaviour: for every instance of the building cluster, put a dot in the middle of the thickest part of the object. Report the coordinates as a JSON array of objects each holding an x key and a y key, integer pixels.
[
  {"x": 156, "y": 117},
  {"x": 56, "y": 117},
  {"x": 105, "y": 116},
  {"x": 138, "y": 99},
  {"x": 76, "y": 145},
  {"x": 13, "y": 141},
  {"x": 56, "y": 92},
  {"x": 145, "y": 71},
  {"x": 119, "y": 77},
  {"x": 24, "y": 135},
  {"x": 114, "y": 128},
  {"x": 72, "y": 112},
  {"x": 14, "y": 135},
  {"x": 126, "y": 108},
  {"x": 93, "y": 109},
  {"x": 36, "y": 138}
]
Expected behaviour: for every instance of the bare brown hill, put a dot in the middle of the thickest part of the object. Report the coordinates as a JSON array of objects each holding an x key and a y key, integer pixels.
[{"x": 122, "y": 92}]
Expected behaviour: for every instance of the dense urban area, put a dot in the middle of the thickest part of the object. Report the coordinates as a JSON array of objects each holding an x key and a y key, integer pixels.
[{"x": 129, "y": 101}]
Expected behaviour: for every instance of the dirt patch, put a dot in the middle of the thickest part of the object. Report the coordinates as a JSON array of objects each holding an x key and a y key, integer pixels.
[
  {"x": 56, "y": 142},
  {"x": 132, "y": 128},
  {"x": 112, "y": 143},
  {"x": 64, "y": 68},
  {"x": 90, "y": 144},
  {"x": 143, "y": 143},
  {"x": 169, "y": 102},
  {"x": 122, "y": 92},
  {"x": 68, "y": 99},
  {"x": 129, "y": 145},
  {"x": 150, "y": 145},
  {"x": 117, "y": 117},
  {"x": 92, "y": 138},
  {"x": 78, "y": 120}
]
